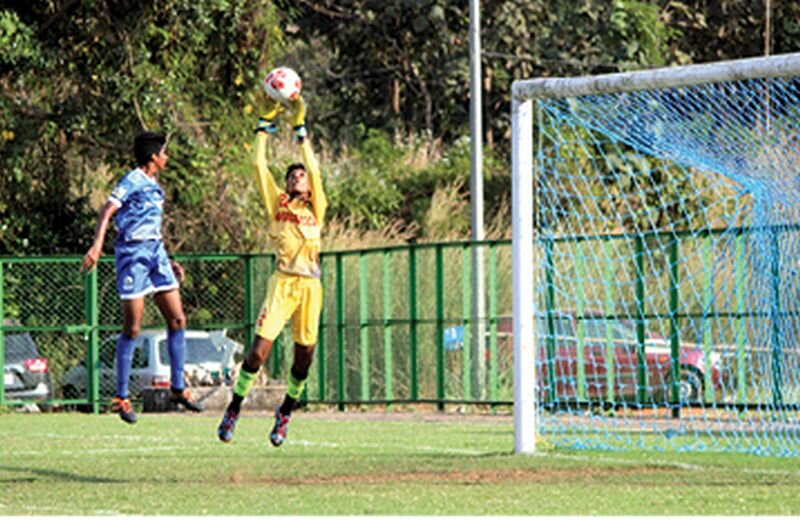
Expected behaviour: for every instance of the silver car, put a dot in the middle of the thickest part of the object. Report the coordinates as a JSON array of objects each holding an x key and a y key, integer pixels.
[{"x": 26, "y": 375}]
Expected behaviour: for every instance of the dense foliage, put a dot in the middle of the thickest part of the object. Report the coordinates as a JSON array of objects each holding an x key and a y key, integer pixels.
[
  {"x": 79, "y": 79},
  {"x": 387, "y": 84}
]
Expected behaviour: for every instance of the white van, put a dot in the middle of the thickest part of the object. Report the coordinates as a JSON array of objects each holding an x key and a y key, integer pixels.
[{"x": 209, "y": 360}]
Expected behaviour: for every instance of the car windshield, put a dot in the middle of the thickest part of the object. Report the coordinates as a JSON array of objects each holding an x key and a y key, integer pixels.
[
  {"x": 619, "y": 330},
  {"x": 198, "y": 350},
  {"x": 561, "y": 324},
  {"x": 19, "y": 347}
]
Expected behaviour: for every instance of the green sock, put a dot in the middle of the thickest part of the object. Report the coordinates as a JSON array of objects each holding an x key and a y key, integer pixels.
[
  {"x": 244, "y": 382},
  {"x": 295, "y": 387}
]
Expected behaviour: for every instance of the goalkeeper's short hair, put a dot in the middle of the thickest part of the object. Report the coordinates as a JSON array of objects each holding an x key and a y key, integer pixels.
[{"x": 292, "y": 167}]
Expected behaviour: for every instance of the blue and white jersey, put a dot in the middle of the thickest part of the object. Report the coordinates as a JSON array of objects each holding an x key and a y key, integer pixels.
[{"x": 141, "y": 202}]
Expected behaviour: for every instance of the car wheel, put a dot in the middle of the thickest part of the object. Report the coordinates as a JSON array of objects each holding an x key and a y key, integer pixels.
[{"x": 690, "y": 388}]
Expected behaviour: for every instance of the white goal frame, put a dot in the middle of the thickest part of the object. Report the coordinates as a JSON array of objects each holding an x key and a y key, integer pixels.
[{"x": 524, "y": 261}]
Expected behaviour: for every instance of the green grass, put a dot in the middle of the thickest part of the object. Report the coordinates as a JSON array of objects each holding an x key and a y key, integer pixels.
[{"x": 359, "y": 464}]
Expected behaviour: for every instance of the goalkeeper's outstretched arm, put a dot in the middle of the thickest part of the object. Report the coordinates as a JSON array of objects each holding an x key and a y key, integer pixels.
[
  {"x": 270, "y": 193},
  {"x": 319, "y": 202}
]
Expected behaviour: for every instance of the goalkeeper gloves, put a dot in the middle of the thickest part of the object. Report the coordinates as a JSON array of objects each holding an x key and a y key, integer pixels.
[
  {"x": 300, "y": 133},
  {"x": 272, "y": 110},
  {"x": 298, "y": 119},
  {"x": 265, "y": 125}
]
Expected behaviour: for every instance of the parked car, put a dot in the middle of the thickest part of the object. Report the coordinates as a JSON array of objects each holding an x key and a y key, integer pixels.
[
  {"x": 26, "y": 375},
  {"x": 209, "y": 360},
  {"x": 563, "y": 359}
]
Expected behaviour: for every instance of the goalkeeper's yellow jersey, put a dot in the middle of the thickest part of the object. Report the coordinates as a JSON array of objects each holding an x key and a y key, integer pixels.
[{"x": 295, "y": 225}]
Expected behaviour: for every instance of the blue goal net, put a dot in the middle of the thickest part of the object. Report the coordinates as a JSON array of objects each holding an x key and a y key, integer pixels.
[{"x": 667, "y": 281}]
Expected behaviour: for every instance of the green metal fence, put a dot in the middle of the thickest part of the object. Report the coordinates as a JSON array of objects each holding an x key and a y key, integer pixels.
[
  {"x": 389, "y": 314},
  {"x": 381, "y": 333}
]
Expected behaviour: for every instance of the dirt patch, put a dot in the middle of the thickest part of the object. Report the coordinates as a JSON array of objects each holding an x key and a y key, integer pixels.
[
  {"x": 467, "y": 477},
  {"x": 410, "y": 416}
]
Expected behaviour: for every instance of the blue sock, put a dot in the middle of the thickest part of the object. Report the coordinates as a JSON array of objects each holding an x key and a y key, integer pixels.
[
  {"x": 124, "y": 358},
  {"x": 176, "y": 345}
]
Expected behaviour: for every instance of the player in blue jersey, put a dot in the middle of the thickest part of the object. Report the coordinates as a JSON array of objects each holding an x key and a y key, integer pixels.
[{"x": 143, "y": 268}]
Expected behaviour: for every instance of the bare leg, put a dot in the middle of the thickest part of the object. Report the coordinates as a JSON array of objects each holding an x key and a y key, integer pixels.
[
  {"x": 171, "y": 307},
  {"x": 303, "y": 356},
  {"x": 132, "y": 312},
  {"x": 259, "y": 351}
]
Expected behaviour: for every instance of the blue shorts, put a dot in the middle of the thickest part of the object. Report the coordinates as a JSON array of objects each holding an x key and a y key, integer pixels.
[{"x": 143, "y": 268}]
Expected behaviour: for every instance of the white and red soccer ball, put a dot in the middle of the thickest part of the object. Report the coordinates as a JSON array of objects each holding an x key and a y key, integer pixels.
[{"x": 282, "y": 84}]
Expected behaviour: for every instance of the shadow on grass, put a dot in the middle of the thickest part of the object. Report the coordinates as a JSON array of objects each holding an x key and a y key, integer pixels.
[{"x": 55, "y": 475}]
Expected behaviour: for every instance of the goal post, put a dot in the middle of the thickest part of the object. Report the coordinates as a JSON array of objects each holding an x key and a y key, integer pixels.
[
  {"x": 525, "y": 406},
  {"x": 655, "y": 236}
]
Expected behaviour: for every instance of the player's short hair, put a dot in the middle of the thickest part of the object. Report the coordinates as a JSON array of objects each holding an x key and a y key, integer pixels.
[
  {"x": 292, "y": 167},
  {"x": 146, "y": 144}
]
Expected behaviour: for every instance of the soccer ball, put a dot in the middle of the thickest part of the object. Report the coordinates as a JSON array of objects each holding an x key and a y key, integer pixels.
[{"x": 282, "y": 84}]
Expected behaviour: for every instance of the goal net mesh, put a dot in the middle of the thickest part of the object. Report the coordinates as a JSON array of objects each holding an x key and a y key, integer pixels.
[{"x": 667, "y": 284}]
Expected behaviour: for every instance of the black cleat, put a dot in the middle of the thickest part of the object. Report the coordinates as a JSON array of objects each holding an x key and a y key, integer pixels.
[
  {"x": 123, "y": 408},
  {"x": 185, "y": 398}
]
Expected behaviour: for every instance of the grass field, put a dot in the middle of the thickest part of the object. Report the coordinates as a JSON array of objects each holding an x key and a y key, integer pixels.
[{"x": 360, "y": 464}]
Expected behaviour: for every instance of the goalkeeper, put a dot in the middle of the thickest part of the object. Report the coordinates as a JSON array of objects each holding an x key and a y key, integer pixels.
[{"x": 294, "y": 290}]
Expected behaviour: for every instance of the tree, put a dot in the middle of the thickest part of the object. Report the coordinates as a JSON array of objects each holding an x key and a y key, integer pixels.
[{"x": 81, "y": 77}]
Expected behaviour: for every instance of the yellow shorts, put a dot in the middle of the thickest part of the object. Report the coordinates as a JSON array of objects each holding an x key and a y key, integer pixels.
[{"x": 295, "y": 297}]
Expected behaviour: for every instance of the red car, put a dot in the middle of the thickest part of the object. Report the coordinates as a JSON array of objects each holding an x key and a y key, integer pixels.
[{"x": 603, "y": 338}]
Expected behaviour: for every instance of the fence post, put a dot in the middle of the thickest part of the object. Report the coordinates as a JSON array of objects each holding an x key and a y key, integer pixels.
[
  {"x": 708, "y": 318},
  {"x": 412, "y": 311},
  {"x": 609, "y": 279},
  {"x": 322, "y": 364},
  {"x": 777, "y": 373},
  {"x": 469, "y": 329},
  {"x": 249, "y": 315},
  {"x": 580, "y": 325},
  {"x": 493, "y": 360},
  {"x": 363, "y": 326},
  {"x": 276, "y": 356},
  {"x": 674, "y": 329},
  {"x": 92, "y": 355},
  {"x": 340, "y": 367},
  {"x": 387, "y": 327},
  {"x": 440, "y": 390},
  {"x": 549, "y": 305},
  {"x": 641, "y": 358},
  {"x": 739, "y": 277}
]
